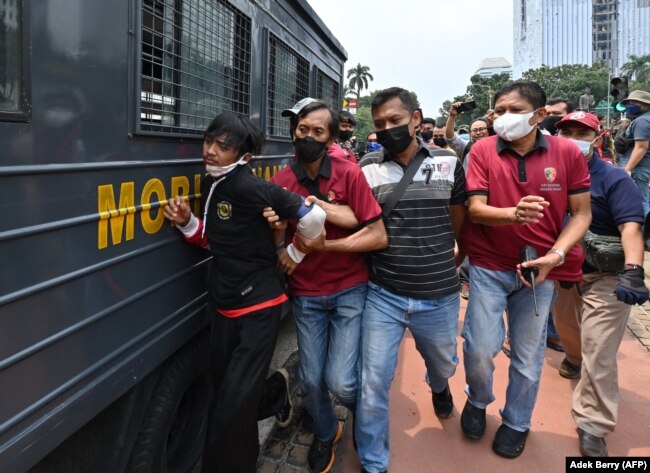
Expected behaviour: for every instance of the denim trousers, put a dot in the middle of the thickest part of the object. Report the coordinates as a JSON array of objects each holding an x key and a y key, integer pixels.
[
  {"x": 329, "y": 334},
  {"x": 434, "y": 325},
  {"x": 493, "y": 293}
]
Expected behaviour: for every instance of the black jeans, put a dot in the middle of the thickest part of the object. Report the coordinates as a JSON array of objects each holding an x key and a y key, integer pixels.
[{"x": 241, "y": 350}]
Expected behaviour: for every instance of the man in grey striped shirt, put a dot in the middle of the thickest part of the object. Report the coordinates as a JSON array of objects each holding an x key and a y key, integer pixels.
[{"x": 413, "y": 282}]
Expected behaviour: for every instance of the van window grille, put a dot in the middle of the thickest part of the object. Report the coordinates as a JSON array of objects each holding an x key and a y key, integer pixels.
[
  {"x": 196, "y": 59},
  {"x": 327, "y": 90},
  {"x": 288, "y": 83},
  {"x": 14, "y": 71}
]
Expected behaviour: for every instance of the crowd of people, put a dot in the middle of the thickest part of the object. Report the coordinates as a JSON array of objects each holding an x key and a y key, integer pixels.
[{"x": 371, "y": 247}]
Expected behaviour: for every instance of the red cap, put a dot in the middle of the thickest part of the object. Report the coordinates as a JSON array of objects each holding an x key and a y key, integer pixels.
[{"x": 584, "y": 118}]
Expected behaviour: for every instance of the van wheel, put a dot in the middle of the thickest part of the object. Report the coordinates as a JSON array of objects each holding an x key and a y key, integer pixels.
[{"x": 173, "y": 430}]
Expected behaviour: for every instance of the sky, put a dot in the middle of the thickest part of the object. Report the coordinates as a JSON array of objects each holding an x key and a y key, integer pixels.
[{"x": 431, "y": 47}]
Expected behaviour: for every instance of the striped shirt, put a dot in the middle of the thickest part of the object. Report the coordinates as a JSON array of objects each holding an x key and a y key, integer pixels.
[{"x": 419, "y": 260}]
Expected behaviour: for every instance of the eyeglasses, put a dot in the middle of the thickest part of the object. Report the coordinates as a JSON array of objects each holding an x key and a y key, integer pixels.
[{"x": 478, "y": 130}]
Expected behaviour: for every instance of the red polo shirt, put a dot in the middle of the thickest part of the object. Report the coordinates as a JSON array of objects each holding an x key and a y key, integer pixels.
[
  {"x": 339, "y": 182},
  {"x": 554, "y": 169}
]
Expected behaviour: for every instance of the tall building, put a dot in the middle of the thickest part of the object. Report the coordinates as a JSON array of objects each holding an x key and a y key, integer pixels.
[
  {"x": 557, "y": 32},
  {"x": 494, "y": 65}
]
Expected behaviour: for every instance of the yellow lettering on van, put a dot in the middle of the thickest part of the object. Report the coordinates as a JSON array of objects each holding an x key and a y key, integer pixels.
[
  {"x": 152, "y": 224},
  {"x": 109, "y": 214},
  {"x": 197, "y": 193},
  {"x": 180, "y": 186}
]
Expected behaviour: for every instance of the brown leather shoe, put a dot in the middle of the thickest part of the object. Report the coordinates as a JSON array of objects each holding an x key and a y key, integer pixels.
[
  {"x": 569, "y": 370},
  {"x": 590, "y": 445}
]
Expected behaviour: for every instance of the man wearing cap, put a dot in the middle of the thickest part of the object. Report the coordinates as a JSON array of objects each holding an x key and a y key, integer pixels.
[
  {"x": 328, "y": 289},
  {"x": 636, "y": 159},
  {"x": 591, "y": 315},
  {"x": 347, "y": 125}
]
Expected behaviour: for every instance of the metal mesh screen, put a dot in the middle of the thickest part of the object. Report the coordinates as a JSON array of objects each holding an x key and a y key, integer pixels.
[
  {"x": 327, "y": 90},
  {"x": 288, "y": 83},
  {"x": 196, "y": 58},
  {"x": 10, "y": 55}
]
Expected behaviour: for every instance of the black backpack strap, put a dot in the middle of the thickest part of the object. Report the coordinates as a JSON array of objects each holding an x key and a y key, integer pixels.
[{"x": 401, "y": 186}]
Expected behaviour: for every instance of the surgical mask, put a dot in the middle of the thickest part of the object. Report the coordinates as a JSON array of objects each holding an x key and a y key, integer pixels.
[
  {"x": 345, "y": 135},
  {"x": 427, "y": 135},
  {"x": 633, "y": 109},
  {"x": 585, "y": 146},
  {"x": 396, "y": 139},
  {"x": 309, "y": 150},
  {"x": 373, "y": 147},
  {"x": 512, "y": 126},
  {"x": 440, "y": 142},
  {"x": 218, "y": 171}
]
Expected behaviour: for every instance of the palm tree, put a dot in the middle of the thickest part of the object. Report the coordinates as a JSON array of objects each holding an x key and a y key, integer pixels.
[
  {"x": 359, "y": 76},
  {"x": 637, "y": 67}
]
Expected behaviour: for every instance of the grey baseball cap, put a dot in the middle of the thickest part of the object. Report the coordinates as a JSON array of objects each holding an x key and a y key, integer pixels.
[{"x": 297, "y": 107}]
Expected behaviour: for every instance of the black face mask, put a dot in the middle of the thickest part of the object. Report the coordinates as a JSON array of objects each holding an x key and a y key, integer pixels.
[
  {"x": 345, "y": 135},
  {"x": 309, "y": 150},
  {"x": 396, "y": 139},
  {"x": 440, "y": 142},
  {"x": 427, "y": 135},
  {"x": 549, "y": 123}
]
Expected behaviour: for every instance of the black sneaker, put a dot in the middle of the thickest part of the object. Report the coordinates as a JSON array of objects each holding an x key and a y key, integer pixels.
[
  {"x": 509, "y": 442},
  {"x": 472, "y": 421},
  {"x": 284, "y": 415},
  {"x": 321, "y": 452},
  {"x": 443, "y": 403}
]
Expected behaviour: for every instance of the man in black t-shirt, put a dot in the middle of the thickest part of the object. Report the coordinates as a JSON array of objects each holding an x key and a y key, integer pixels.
[{"x": 245, "y": 288}]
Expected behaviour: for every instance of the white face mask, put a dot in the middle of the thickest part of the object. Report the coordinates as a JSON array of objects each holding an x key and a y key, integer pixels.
[
  {"x": 585, "y": 147},
  {"x": 512, "y": 126},
  {"x": 218, "y": 171}
]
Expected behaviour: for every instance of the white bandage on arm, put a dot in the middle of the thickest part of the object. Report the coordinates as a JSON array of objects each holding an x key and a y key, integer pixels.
[
  {"x": 191, "y": 227},
  {"x": 310, "y": 226}
]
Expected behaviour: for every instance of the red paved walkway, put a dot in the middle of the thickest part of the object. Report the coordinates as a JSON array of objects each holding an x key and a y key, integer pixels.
[{"x": 420, "y": 442}]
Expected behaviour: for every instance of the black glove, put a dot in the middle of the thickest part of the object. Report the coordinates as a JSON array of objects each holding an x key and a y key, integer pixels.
[{"x": 631, "y": 287}]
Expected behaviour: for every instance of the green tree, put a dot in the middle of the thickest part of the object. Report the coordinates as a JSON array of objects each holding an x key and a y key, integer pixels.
[
  {"x": 571, "y": 80},
  {"x": 638, "y": 69},
  {"x": 359, "y": 78}
]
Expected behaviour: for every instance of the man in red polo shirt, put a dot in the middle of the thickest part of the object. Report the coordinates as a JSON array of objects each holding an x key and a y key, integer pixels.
[
  {"x": 520, "y": 184},
  {"x": 328, "y": 289}
]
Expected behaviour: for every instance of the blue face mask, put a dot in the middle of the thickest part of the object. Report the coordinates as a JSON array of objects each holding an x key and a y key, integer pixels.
[
  {"x": 373, "y": 147},
  {"x": 633, "y": 109}
]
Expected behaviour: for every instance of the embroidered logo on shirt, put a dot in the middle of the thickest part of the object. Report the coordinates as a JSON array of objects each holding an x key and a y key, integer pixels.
[
  {"x": 550, "y": 174},
  {"x": 224, "y": 210}
]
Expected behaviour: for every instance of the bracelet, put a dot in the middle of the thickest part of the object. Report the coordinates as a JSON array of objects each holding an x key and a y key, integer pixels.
[{"x": 560, "y": 253}]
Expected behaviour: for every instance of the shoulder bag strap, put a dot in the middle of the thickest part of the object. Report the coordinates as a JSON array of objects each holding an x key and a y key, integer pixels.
[{"x": 401, "y": 186}]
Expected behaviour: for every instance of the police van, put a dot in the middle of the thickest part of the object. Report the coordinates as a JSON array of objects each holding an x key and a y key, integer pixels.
[{"x": 103, "y": 339}]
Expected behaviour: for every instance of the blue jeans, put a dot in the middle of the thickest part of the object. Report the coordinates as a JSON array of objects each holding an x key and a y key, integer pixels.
[
  {"x": 329, "y": 333},
  {"x": 434, "y": 324},
  {"x": 641, "y": 177},
  {"x": 492, "y": 293}
]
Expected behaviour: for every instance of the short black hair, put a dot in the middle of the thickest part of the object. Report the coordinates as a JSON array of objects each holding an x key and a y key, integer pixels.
[
  {"x": 240, "y": 133},
  {"x": 566, "y": 100},
  {"x": 372, "y": 132},
  {"x": 429, "y": 120},
  {"x": 332, "y": 126},
  {"x": 481, "y": 119},
  {"x": 385, "y": 95},
  {"x": 531, "y": 91}
]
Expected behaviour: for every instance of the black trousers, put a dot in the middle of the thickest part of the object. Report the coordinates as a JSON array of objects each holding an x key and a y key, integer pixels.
[{"x": 241, "y": 350}]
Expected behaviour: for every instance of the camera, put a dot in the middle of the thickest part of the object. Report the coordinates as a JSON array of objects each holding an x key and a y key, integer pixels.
[{"x": 466, "y": 106}]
